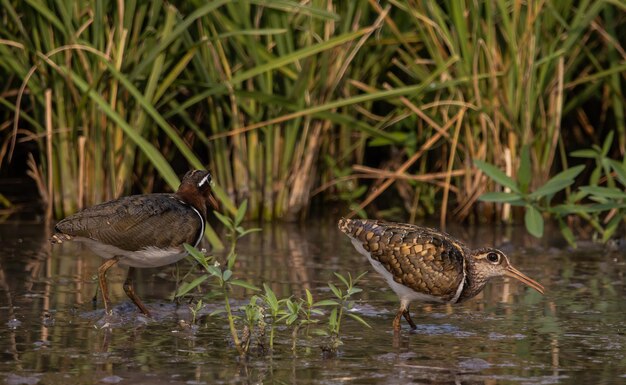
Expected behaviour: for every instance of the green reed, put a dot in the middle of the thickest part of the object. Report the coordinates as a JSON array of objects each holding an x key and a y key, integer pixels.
[{"x": 285, "y": 100}]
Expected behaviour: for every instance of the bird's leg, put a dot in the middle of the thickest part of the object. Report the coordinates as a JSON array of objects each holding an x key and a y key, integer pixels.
[
  {"x": 396, "y": 321},
  {"x": 407, "y": 317},
  {"x": 102, "y": 278},
  {"x": 130, "y": 292},
  {"x": 403, "y": 311}
]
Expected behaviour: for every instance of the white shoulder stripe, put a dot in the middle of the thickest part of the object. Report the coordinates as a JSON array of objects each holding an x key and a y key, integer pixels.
[
  {"x": 202, "y": 229},
  {"x": 459, "y": 289},
  {"x": 197, "y": 212}
]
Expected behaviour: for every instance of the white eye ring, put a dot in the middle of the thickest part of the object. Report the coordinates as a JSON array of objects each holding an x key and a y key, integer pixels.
[{"x": 493, "y": 257}]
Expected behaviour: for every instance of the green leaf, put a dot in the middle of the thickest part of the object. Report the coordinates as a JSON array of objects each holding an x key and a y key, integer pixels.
[
  {"x": 291, "y": 306},
  {"x": 498, "y": 196},
  {"x": 332, "y": 318},
  {"x": 380, "y": 141},
  {"x": 309, "y": 297},
  {"x": 610, "y": 229},
  {"x": 524, "y": 172},
  {"x": 620, "y": 170},
  {"x": 224, "y": 219},
  {"x": 248, "y": 231},
  {"x": 197, "y": 255},
  {"x": 291, "y": 319},
  {"x": 567, "y": 233},
  {"x": 606, "y": 206},
  {"x": 227, "y": 274},
  {"x": 608, "y": 141},
  {"x": 497, "y": 175},
  {"x": 214, "y": 271},
  {"x": 354, "y": 290},
  {"x": 326, "y": 302},
  {"x": 550, "y": 188},
  {"x": 342, "y": 279},
  {"x": 320, "y": 332},
  {"x": 216, "y": 312},
  {"x": 359, "y": 277},
  {"x": 533, "y": 221},
  {"x": 335, "y": 290},
  {"x": 230, "y": 260},
  {"x": 605, "y": 192},
  {"x": 570, "y": 173},
  {"x": 557, "y": 183},
  {"x": 358, "y": 318},
  {"x": 270, "y": 297},
  {"x": 570, "y": 208},
  {"x": 241, "y": 212},
  {"x": 587, "y": 153},
  {"x": 244, "y": 284}
]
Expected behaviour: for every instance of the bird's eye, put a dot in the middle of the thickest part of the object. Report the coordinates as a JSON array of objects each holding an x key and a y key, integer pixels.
[{"x": 493, "y": 257}]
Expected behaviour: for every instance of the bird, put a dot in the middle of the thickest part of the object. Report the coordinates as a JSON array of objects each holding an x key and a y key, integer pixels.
[
  {"x": 142, "y": 231},
  {"x": 427, "y": 265}
]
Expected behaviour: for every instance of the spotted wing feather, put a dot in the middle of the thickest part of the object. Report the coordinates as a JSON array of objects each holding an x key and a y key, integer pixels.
[{"x": 427, "y": 261}]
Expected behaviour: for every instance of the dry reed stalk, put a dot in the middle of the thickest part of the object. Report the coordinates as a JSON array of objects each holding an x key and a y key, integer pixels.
[
  {"x": 82, "y": 140},
  {"x": 304, "y": 175},
  {"x": 370, "y": 172},
  {"x": 446, "y": 189},
  {"x": 425, "y": 147}
]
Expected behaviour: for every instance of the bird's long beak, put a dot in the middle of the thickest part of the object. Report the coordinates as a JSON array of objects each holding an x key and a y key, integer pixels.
[
  {"x": 213, "y": 202},
  {"x": 514, "y": 273}
]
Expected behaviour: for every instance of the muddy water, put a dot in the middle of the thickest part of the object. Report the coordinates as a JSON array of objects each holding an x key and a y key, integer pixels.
[{"x": 50, "y": 332}]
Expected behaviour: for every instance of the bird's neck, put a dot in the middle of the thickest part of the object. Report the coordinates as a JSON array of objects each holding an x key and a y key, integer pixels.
[
  {"x": 191, "y": 197},
  {"x": 475, "y": 281}
]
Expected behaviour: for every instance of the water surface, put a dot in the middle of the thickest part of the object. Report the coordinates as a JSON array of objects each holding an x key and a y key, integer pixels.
[{"x": 50, "y": 332}]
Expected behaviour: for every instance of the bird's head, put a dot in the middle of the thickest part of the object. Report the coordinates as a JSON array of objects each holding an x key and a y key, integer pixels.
[
  {"x": 491, "y": 263},
  {"x": 195, "y": 189}
]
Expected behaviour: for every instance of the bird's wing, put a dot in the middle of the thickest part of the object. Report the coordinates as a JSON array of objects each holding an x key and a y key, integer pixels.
[
  {"x": 422, "y": 259},
  {"x": 136, "y": 222}
]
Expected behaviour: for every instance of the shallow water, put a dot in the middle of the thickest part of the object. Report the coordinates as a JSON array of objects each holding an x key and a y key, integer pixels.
[{"x": 50, "y": 332}]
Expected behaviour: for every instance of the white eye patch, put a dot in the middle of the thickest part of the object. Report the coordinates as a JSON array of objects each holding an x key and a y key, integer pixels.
[{"x": 205, "y": 180}]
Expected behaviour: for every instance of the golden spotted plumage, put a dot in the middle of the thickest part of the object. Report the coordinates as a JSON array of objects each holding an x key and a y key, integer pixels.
[{"x": 420, "y": 263}]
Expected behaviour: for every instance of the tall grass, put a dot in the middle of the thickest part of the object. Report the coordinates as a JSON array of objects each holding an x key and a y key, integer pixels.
[
  {"x": 523, "y": 69},
  {"x": 284, "y": 100}
]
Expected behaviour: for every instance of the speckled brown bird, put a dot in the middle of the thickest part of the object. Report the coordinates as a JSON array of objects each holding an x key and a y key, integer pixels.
[
  {"x": 427, "y": 265},
  {"x": 142, "y": 230}
]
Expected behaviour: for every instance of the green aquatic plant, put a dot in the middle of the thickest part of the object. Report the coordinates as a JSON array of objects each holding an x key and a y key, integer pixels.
[
  {"x": 601, "y": 203},
  {"x": 604, "y": 207},
  {"x": 276, "y": 310},
  {"x": 534, "y": 202},
  {"x": 343, "y": 304},
  {"x": 254, "y": 326},
  {"x": 195, "y": 309},
  {"x": 300, "y": 314},
  {"x": 223, "y": 275}
]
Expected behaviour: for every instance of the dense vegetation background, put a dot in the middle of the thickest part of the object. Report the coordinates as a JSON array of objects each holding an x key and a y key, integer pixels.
[{"x": 400, "y": 108}]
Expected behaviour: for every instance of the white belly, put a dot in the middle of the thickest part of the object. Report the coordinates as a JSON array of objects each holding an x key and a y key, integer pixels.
[{"x": 147, "y": 257}]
